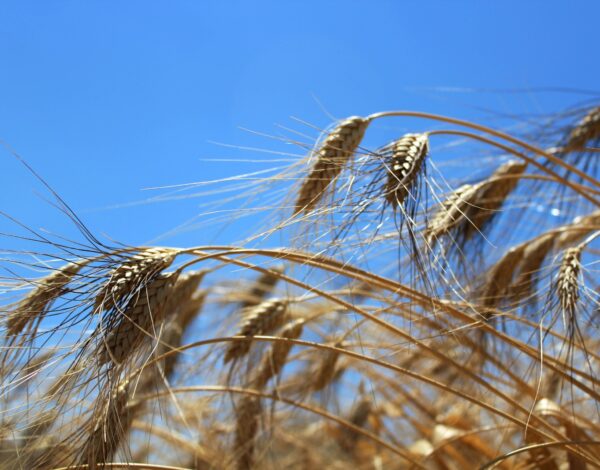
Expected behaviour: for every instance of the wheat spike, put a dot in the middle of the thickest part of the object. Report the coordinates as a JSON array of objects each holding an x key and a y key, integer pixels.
[
  {"x": 473, "y": 207},
  {"x": 358, "y": 416},
  {"x": 139, "y": 318},
  {"x": 568, "y": 280},
  {"x": 262, "y": 319},
  {"x": 326, "y": 371},
  {"x": 448, "y": 213},
  {"x": 276, "y": 358},
  {"x": 128, "y": 277},
  {"x": 330, "y": 158},
  {"x": 586, "y": 130},
  {"x": 262, "y": 287},
  {"x": 579, "y": 229},
  {"x": 533, "y": 255},
  {"x": 110, "y": 428},
  {"x": 37, "y": 302},
  {"x": 407, "y": 157},
  {"x": 247, "y": 421},
  {"x": 500, "y": 276}
]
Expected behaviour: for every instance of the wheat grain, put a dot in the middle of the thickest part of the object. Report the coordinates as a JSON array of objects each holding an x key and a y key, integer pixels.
[
  {"x": 262, "y": 319},
  {"x": 406, "y": 158},
  {"x": 330, "y": 158}
]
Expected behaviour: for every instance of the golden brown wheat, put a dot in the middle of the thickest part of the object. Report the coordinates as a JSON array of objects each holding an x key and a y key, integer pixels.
[
  {"x": 331, "y": 157},
  {"x": 131, "y": 275},
  {"x": 262, "y": 319},
  {"x": 586, "y": 130},
  {"x": 407, "y": 157}
]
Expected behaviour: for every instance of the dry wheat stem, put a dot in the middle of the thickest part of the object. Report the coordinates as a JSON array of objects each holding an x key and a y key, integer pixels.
[
  {"x": 334, "y": 266},
  {"x": 487, "y": 130},
  {"x": 529, "y": 424},
  {"x": 296, "y": 404}
]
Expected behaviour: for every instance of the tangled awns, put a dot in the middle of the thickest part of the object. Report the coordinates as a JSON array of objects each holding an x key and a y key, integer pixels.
[{"x": 432, "y": 303}]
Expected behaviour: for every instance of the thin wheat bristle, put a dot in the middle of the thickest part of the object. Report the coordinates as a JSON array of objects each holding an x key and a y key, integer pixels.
[
  {"x": 140, "y": 317},
  {"x": 262, "y": 287},
  {"x": 38, "y": 301},
  {"x": 276, "y": 358},
  {"x": 262, "y": 319},
  {"x": 330, "y": 158},
  {"x": 407, "y": 156},
  {"x": 568, "y": 279},
  {"x": 125, "y": 279},
  {"x": 248, "y": 415},
  {"x": 586, "y": 130}
]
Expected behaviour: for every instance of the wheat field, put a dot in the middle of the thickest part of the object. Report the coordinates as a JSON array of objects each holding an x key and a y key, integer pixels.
[{"x": 426, "y": 302}]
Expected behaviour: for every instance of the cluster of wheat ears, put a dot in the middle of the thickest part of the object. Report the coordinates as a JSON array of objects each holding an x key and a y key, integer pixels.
[{"x": 417, "y": 316}]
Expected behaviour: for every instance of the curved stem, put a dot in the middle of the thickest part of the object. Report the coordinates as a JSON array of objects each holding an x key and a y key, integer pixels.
[
  {"x": 487, "y": 130},
  {"x": 527, "y": 159},
  {"x": 312, "y": 409}
]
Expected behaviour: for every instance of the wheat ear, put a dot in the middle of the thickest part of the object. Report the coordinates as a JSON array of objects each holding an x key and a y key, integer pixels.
[
  {"x": 473, "y": 207},
  {"x": 407, "y": 157},
  {"x": 568, "y": 280},
  {"x": 37, "y": 302},
  {"x": 329, "y": 160},
  {"x": 262, "y": 319},
  {"x": 128, "y": 277},
  {"x": 262, "y": 287},
  {"x": 276, "y": 358},
  {"x": 138, "y": 319},
  {"x": 586, "y": 130},
  {"x": 247, "y": 421}
]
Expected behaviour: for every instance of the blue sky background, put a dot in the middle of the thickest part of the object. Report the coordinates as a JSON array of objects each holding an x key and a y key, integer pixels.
[{"x": 105, "y": 98}]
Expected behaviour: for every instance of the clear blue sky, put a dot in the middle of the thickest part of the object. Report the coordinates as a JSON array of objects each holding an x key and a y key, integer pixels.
[{"x": 105, "y": 98}]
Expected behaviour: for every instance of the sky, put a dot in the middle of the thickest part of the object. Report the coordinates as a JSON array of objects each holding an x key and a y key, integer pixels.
[{"x": 106, "y": 99}]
